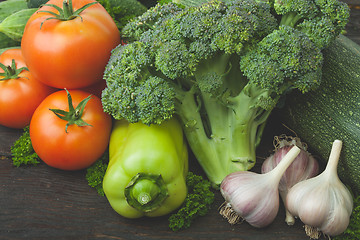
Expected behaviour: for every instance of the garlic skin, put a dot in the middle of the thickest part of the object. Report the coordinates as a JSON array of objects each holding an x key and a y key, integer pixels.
[
  {"x": 254, "y": 197},
  {"x": 323, "y": 202},
  {"x": 303, "y": 167}
]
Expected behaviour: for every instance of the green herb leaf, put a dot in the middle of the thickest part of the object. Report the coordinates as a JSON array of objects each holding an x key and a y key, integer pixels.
[
  {"x": 23, "y": 152},
  {"x": 96, "y": 172},
  {"x": 197, "y": 202}
]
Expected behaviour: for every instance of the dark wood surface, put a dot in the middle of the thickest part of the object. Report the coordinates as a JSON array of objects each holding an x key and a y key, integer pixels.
[{"x": 45, "y": 203}]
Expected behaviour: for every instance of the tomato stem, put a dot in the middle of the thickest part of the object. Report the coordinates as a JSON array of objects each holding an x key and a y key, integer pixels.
[
  {"x": 11, "y": 72},
  {"x": 67, "y": 12},
  {"x": 74, "y": 115},
  {"x": 68, "y": 9}
]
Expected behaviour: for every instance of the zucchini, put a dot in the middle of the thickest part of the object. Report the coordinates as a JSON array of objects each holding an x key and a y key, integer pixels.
[
  {"x": 332, "y": 111},
  {"x": 6, "y": 42},
  {"x": 13, "y": 25},
  {"x": 9, "y": 7},
  {"x": 35, "y": 3}
]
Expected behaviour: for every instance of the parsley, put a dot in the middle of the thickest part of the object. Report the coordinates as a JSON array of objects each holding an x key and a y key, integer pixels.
[
  {"x": 23, "y": 152},
  {"x": 197, "y": 202}
]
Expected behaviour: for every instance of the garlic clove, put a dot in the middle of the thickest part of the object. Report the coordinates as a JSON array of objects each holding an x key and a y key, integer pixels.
[
  {"x": 337, "y": 223},
  {"x": 322, "y": 203},
  {"x": 303, "y": 167},
  {"x": 254, "y": 197},
  {"x": 314, "y": 208}
]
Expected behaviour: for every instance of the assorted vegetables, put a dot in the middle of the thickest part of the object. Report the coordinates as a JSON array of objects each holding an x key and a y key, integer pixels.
[
  {"x": 221, "y": 67},
  {"x": 124, "y": 91}
]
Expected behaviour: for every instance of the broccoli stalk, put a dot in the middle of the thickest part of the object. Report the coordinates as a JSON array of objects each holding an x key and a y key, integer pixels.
[
  {"x": 225, "y": 139},
  {"x": 220, "y": 67}
]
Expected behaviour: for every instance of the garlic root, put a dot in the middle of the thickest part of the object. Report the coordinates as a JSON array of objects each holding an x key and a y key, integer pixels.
[{"x": 229, "y": 214}]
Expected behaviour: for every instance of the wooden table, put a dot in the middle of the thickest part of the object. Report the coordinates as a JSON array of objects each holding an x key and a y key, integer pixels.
[{"x": 45, "y": 203}]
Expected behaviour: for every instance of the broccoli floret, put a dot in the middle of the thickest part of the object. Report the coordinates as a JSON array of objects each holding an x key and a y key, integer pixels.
[
  {"x": 134, "y": 29},
  {"x": 23, "y": 152},
  {"x": 321, "y": 20},
  {"x": 220, "y": 67},
  {"x": 282, "y": 60},
  {"x": 197, "y": 203}
]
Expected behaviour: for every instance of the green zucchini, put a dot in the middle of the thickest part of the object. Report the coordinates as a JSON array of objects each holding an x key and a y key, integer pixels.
[
  {"x": 6, "y": 42},
  {"x": 9, "y": 7},
  {"x": 35, "y": 3},
  {"x": 332, "y": 111},
  {"x": 13, "y": 25}
]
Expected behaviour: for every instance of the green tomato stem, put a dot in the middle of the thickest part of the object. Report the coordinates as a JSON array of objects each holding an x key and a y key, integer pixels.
[
  {"x": 11, "y": 72},
  {"x": 67, "y": 12},
  {"x": 74, "y": 115}
]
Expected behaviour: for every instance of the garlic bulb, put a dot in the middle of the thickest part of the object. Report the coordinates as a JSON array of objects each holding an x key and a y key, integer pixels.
[
  {"x": 254, "y": 197},
  {"x": 322, "y": 203},
  {"x": 303, "y": 167}
]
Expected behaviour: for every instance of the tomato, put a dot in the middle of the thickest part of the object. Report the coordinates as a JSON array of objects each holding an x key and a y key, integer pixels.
[
  {"x": 20, "y": 92},
  {"x": 69, "y": 53},
  {"x": 70, "y": 147}
]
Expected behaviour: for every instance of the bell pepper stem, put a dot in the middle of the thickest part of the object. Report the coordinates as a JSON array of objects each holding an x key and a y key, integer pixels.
[{"x": 146, "y": 192}]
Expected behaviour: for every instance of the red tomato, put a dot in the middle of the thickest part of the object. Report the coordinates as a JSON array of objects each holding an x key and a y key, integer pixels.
[
  {"x": 19, "y": 96},
  {"x": 80, "y": 146},
  {"x": 72, "y": 53}
]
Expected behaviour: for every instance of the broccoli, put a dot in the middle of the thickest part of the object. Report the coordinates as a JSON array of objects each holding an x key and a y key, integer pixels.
[
  {"x": 197, "y": 203},
  {"x": 220, "y": 67},
  {"x": 321, "y": 20}
]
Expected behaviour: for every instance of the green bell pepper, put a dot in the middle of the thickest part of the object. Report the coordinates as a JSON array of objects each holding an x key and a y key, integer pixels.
[{"x": 146, "y": 175}]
